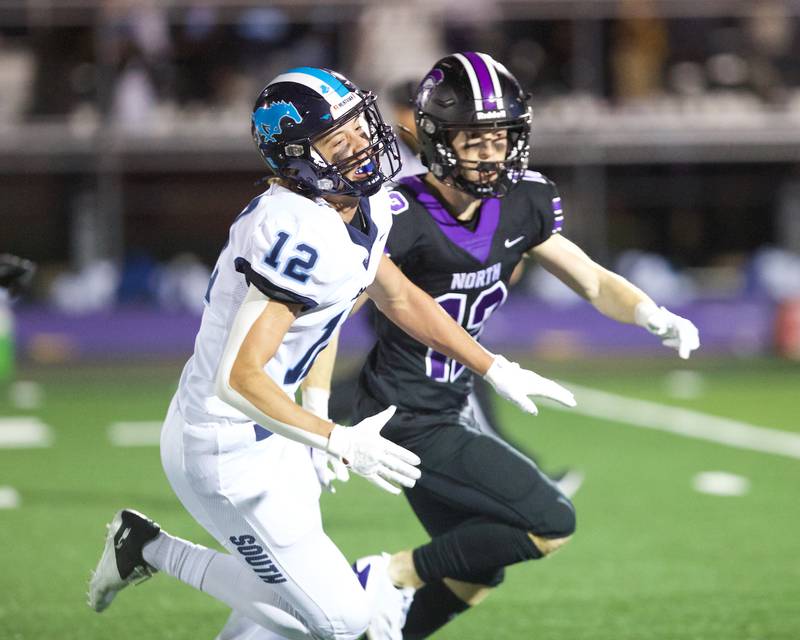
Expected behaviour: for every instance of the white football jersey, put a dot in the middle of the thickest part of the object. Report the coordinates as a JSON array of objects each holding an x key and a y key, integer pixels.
[{"x": 293, "y": 249}]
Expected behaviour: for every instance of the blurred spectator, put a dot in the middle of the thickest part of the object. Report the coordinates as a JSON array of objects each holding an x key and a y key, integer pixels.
[
  {"x": 16, "y": 74},
  {"x": 772, "y": 35},
  {"x": 93, "y": 288},
  {"x": 395, "y": 41},
  {"x": 61, "y": 53},
  {"x": 776, "y": 273},
  {"x": 654, "y": 274},
  {"x": 137, "y": 43},
  {"x": 639, "y": 50},
  {"x": 181, "y": 284}
]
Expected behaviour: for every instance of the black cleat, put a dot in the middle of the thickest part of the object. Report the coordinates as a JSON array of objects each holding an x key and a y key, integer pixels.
[{"x": 121, "y": 563}]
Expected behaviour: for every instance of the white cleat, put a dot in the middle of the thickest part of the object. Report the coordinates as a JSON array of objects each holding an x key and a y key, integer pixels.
[
  {"x": 121, "y": 562},
  {"x": 389, "y": 604},
  {"x": 569, "y": 482}
]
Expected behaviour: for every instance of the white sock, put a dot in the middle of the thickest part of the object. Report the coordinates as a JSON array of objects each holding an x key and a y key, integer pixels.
[
  {"x": 178, "y": 558},
  {"x": 226, "y": 579}
]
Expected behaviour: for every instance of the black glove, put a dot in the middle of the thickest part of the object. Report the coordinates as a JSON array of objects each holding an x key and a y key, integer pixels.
[{"x": 15, "y": 273}]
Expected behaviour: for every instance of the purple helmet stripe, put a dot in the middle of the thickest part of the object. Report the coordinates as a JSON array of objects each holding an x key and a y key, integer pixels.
[{"x": 484, "y": 79}]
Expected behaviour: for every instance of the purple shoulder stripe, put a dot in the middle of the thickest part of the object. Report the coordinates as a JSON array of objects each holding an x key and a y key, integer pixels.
[{"x": 477, "y": 243}]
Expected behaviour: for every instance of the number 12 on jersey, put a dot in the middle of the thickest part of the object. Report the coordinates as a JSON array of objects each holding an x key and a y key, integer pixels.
[{"x": 438, "y": 366}]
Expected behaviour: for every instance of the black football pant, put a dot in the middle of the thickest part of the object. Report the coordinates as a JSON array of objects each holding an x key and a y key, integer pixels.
[{"x": 478, "y": 498}]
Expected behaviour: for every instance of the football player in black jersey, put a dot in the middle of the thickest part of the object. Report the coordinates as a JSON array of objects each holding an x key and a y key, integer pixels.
[{"x": 459, "y": 230}]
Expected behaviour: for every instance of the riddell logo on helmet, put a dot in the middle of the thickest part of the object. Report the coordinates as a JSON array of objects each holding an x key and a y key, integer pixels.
[
  {"x": 485, "y": 115},
  {"x": 350, "y": 100}
]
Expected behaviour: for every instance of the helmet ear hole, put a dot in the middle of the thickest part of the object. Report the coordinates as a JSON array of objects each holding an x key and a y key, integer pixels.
[
  {"x": 294, "y": 150},
  {"x": 428, "y": 126}
]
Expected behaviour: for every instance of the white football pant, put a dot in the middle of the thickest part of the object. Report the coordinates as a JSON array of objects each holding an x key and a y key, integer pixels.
[{"x": 260, "y": 500}]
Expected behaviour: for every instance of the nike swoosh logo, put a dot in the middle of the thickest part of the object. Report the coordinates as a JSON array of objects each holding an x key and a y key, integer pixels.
[
  {"x": 511, "y": 243},
  {"x": 122, "y": 538}
]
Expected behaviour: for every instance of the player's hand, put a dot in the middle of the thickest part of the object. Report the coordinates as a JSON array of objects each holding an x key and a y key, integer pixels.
[
  {"x": 515, "y": 384},
  {"x": 327, "y": 466},
  {"x": 674, "y": 331},
  {"x": 369, "y": 454}
]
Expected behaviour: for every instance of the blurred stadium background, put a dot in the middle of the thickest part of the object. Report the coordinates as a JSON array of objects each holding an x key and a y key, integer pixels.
[{"x": 672, "y": 128}]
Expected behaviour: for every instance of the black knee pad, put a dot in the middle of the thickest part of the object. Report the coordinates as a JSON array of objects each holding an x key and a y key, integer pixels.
[
  {"x": 560, "y": 519},
  {"x": 488, "y": 578}
]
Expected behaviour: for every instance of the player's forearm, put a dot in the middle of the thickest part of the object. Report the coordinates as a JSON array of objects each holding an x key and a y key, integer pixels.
[
  {"x": 416, "y": 313},
  {"x": 242, "y": 383},
  {"x": 617, "y": 298},
  {"x": 265, "y": 399}
]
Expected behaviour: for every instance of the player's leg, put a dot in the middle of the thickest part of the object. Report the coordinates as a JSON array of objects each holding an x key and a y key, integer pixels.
[
  {"x": 262, "y": 503},
  {"x": 514, "y": 511},
  {"x": 260, "y": 500},
  {"x": 437, "y": 602},
  {"x": 482, "y": 403},
  {"x": 485, "y": 506},
  {"x": 239, "y": 627}
]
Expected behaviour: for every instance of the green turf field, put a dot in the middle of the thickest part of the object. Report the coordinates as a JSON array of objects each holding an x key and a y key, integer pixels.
[{"x": 652, "y": 558}]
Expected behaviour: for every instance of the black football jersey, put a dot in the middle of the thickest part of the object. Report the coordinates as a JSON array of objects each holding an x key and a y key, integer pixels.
[{"x": 466, "y": 269}]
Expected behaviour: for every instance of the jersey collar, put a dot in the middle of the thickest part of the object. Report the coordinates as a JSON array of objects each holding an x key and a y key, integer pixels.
[
  {"x": 363, "y": 239},
  {"x": 478, "y": 242}
]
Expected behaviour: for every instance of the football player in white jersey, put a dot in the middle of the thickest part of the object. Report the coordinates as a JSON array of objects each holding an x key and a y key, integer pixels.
[{"x": 235, "y": 446}]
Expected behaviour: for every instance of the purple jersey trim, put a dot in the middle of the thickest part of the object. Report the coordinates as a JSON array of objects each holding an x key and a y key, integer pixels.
[
  {"x": 484, "y": 79},
  {"x": 477, "y": 243},
  {"x": 558, "y": 220}
]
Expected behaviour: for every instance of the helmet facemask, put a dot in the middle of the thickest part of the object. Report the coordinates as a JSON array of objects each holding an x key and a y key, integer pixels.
[
  {"x": 495, "y": 178},
  {"x": 379, "y": 159}
]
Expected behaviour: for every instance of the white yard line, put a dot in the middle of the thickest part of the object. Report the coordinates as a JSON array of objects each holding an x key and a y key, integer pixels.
[
  {"x": 682, "y": 422},
  {"x": 9, "y": 498},
  {"x": 24, "y": 432},
  {"x": 134, "y": 434}
]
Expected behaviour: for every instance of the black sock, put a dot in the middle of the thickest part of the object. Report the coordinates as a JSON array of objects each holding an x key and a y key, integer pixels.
[
  {"x": 471, "y": 550},
  {"x": 433, "y": 607}
]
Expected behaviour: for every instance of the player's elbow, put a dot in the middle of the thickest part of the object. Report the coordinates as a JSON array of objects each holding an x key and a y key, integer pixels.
[
  {"x": 231, "y": 383},
  {"x": 590, "y": 288},
  {"x": 243, "y": 378}
]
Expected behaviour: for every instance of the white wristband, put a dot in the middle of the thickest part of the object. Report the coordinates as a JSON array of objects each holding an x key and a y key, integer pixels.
[
  {"x": 337, "y": 441},
  {"x": 315, "y": 400},
  {"x": 497, "y": 364},
  {"x": 644, "y": 311}
]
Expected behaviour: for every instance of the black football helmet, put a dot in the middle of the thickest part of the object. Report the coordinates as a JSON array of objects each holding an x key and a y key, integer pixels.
[
  {"x": 303, "y": 104},
  {"x": 472, "y": 91}
]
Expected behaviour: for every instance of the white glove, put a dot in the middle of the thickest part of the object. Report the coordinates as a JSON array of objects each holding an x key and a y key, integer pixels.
[
  {"x": 369, "y": 454},
  {"x": 674, "y": 331},
  {"x": 515, "y": 384},
  {"x": 327, "y": 466}
]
